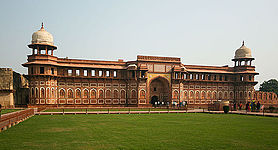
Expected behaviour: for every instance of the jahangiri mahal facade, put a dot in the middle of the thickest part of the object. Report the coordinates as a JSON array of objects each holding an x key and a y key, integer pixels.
[{"x": 57, "y": 81}]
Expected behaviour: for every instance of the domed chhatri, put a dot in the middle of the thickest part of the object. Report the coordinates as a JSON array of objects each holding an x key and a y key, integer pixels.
[
  {"x": 42, "y": 42},
  {"x": 243, "y": 52},
  {"x": 42, "y": 37}
]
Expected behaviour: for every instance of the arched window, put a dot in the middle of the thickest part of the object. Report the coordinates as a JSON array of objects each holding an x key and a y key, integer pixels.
[
  {"x": 100, "y": 94},
  {"x": 214, "y": 95},
  {"x": 33, "y": 93},
  {"x": 175, "y": 94},
  {"x": 52, "y": 93},
  {"x": 122, "y": 94},
  {"x": 191, "y": 95},
  {"x": 108, "y": 93},
  {"x": 220, "y": 95},
  {"x": 231, "y": 95},
  {"x": 78, "y": 93},
  {"x": 203, "y": 95},
  {"x": 245, "y": 95},
  {"x": 116, "y": 94},
  {"x": 197, "y": 95},
  {"x": 185, "y": 94},
  {"x": 70, "y": 93},
  {"x": 133, "y": 94},
  {"x": 42, "y": 93},
  {"x": 62, "y": 93},
  {"x": 86, "y": 93},
  {"x": 142, "y": 94},
  {"x": 255, "y": 96},
  {"x": 226, "y": 95},
  {"x": 48, "y": 93},
  {"x": 37, "y": 93},
  {"x": 240, "y": 95},
  {"x": 209, "y": 95},
  {"x": 93, "y": 94},
  {"x": 249, "y": 95},
  {"x": 265, "y": 96}
]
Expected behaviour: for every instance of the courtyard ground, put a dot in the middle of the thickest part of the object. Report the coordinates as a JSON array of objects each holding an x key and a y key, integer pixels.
[{"x": 143, "y": 131}]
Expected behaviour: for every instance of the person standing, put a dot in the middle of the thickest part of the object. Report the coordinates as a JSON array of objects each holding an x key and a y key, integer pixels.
[
  {"x": 235, "y": 106},
  {"x": 240, "y": 105},
  {"x": 258, "y": 106}
]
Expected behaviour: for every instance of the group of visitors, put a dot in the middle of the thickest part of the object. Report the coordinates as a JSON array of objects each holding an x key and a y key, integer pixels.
[
  {"x": 180, "y": 104},
  {"x": 253, "y": 106},
  {"x": 249, "y": 106}
]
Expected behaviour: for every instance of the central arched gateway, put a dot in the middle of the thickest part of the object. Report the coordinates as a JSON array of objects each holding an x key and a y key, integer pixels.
[{"x": 159, "y": 90}]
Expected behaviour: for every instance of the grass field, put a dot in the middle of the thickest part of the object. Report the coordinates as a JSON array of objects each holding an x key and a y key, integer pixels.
[
  {"x": 110, "y": 109},
  {"x": 5, "y": 111},
  {"x": 145, "y": 131}
]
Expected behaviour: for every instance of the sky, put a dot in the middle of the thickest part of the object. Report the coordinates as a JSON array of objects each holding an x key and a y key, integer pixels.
[{"x": 200, "y": 32}]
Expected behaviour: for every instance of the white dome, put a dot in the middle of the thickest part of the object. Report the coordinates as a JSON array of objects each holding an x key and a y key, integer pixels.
[
  {"x": 132, "y": 67},
  {"x": 42, "y": 37},
  {"x": 243, "y": 52}
]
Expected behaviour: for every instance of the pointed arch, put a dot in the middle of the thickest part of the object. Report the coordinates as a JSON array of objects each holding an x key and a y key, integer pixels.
[
  {"x": 70, "y": 93},
  {"x": 175, "y": 94},
  {"x": 85, "y": 93},
  {"x": 214, "y": 95},
  {"x": 62, "y": 93},
  {"x": 32, "y": 92},
  {"x": 122, "y": 94},
  {"x": 203, "y": 95},
  {"x": 225, "y": 95},
  {"x": 37, "y": 92},
  {"x": 116, "y": 93},
  {"x": 220, "y": 95},
  {"x": 133, "y": 94},
  {"x": 231, "y": 95},
  {"x": 209, "y": 95},
  {"x": 191, "y": 95},
  {"x": 100, "y": 93},
  {"x": 48, "y": 92},
  {"x": 77, "y": 93},
  {"x": 93, "y": 93},
  {"x": 185, "y": 95},
  {"x": 142, "y": 94},
  {"x": 240, "y": 95},
  {"x": 42, "y": 92},
  {"x": 197, "y": 96},
  {"x": 108, "y": 93}
]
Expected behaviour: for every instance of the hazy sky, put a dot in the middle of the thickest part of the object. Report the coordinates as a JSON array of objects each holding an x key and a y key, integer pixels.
[{"x": 205, "y": 32}]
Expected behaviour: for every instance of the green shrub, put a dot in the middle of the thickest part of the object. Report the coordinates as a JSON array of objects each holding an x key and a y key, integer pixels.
[
  {"x": 271, "y": 108},
  {"x": 226, "y": 109}
]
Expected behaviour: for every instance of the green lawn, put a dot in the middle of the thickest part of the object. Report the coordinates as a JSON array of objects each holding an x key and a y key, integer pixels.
[
  {"x": 5, "y": 111},
  {"x": 143, "y": 131},
  {"x": 106, "y": 109}
]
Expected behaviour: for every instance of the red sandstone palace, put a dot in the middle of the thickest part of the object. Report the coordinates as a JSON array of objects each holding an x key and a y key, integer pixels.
[{"x": 61, "y": 81}]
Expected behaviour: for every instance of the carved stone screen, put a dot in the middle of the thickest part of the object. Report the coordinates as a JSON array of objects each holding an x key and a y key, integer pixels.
[
  {"x": 159, "y": 68},
  {"x": 150, "y": 67},
  {"x": 168, "y": 68}
]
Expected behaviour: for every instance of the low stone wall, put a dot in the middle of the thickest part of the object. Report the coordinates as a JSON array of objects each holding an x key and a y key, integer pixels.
[{"x": 11, "y": 119}]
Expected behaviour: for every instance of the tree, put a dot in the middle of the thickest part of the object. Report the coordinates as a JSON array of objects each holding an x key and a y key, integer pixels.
[{"x": 269, "y": 86}]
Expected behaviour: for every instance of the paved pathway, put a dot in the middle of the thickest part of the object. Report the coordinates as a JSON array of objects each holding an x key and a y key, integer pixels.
[{"x": 159, "y": 112}]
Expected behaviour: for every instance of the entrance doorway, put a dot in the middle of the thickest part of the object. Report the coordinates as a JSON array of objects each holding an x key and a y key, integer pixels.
[
  {"x": 154, "y": 99},
  {"x": 159, "y": 91}
]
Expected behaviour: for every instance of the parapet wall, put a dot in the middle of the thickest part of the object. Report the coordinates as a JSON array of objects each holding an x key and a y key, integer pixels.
[
  {"x": 6, "y": 79},
  {"x": 13, "y": 88}
]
